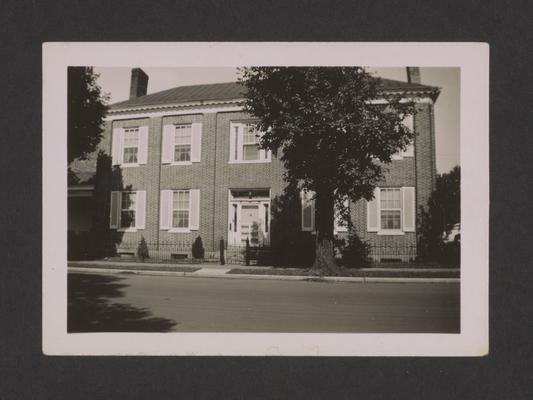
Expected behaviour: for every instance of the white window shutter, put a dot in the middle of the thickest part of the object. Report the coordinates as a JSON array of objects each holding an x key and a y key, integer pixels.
[
  {"x": 194, "y": 209},
  {"x": 165, "y": 209},
  {"x": 196, "y": 142},
  {"x": 397, "y": 155},
  {"x": 410, "y": 149},
  {"x": 408, "y": 122},
  {"x": 408, "y": 209},
  {"x": 143, "y": 145},
  {"x": 265, "y": 154},
  {"x": 308, "y": 211},
  {"x": 373, "y": 213},
  {"x": 140, "y": 212},
  {"x": 117, "y": 150},
  {"x": 240, "y": 140},
  {"x": 167, "y": 149},
  {"x": 114, "y": 210},
  {"x": 340, "y": 224},
  {"x": 232, "y": 129}
]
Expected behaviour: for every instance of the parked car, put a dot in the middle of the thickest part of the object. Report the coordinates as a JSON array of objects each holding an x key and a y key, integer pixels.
[{"x": 453, "y": 235}]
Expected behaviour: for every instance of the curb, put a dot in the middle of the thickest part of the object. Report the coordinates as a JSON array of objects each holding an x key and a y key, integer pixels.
[{"x": 268, "y": 277}]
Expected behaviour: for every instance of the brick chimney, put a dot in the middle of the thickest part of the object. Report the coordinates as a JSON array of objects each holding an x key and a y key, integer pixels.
[
  {"x": 413, "y": 75},
  {"x": 139, "y": 83}
]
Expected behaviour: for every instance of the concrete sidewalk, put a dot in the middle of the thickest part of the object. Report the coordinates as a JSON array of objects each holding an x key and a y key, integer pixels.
[{"x": 221, "y": 271}]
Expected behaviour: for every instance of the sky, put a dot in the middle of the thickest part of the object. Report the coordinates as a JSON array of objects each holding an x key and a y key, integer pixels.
[{"x": 116, "y": 82}]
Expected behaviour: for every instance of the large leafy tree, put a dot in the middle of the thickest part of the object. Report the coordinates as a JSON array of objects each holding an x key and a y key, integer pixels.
[
  {"x": 87, "y": 106},
  {"x": 333, "y": 129},
  {"x": 441, "y": 214}
]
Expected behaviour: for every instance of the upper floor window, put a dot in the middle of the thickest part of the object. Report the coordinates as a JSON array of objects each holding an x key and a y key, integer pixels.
[
  {"x": 244, "y": 144},
  {"x": 129, "y": 146},
  {"x": 410, "y": 149},
  {"x": 181, "y": 143}
]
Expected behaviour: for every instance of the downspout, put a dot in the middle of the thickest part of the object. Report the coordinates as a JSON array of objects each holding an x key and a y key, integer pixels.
[{"x": 214, "y": 183}]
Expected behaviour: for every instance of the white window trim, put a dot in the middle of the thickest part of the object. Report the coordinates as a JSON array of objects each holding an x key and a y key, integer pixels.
[
  {"x": 391, "y": 232},
  {"x": 135, "y": 164},
  {"x": 174, "y": 162},
  {"x": 174, "y": 229},
  {"x": 401, "y": 154},
  {"x": 129, "y": 228},
  {"x": 232, "y": 160},
  {"x": 181, "y": 163},
  {"x": 179, "y": 230},
  {"x": 249, "y": 161}
]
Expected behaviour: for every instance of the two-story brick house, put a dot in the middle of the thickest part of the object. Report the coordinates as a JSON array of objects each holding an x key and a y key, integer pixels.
[{"x": 185, "y": 163}]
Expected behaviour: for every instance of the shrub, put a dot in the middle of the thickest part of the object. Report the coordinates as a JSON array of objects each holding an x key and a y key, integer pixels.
[
  {"x": 198, "y": 248},
  {"x": 355, "y": 252},
  {"x": 142, "y": 249}
]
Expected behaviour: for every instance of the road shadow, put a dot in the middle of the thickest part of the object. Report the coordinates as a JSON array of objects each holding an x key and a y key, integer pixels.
[{"x": 91, "y": 309}]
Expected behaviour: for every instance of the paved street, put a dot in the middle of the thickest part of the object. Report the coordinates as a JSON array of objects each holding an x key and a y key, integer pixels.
[{"x": 100, "y": 302}]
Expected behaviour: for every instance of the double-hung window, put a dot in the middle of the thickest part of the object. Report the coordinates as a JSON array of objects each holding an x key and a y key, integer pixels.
[
  {"x": 181, "y": 143},
  {"x": 250, "y": 143},
  {"x": 127, "y": 210},
  {"x": 409, "y": 151},
  {"x": 180, "y": 209},
  {"x": 244, "y": 144},
  {"x": 130, "y": 146},
  {"x": 308, "y": 213},
  {"x": 392, "y": 211}
]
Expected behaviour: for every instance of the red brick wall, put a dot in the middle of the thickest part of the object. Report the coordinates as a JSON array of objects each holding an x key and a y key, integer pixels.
[
  {"x": 418, "y": 172},
  {"x": 215, "y": 176}
]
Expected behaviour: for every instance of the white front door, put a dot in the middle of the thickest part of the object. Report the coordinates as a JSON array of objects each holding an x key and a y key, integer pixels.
[
  {"x": 250, "y": 224},
  {"x": 247, "y": 220}
]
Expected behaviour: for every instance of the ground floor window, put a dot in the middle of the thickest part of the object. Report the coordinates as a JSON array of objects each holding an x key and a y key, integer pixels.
[
  {"x": 128, "y": 210},
  {"x": 180, "y": 209},
  {"x": 391, "y": 209}
]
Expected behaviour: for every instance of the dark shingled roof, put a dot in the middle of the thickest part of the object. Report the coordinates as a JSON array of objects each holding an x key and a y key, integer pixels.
[{"x": 234, "y": 90}]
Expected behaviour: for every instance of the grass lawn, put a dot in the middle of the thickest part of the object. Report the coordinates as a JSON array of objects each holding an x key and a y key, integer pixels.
[
  {"x": 142, "y": 267},
  {"x": 350, "y": 273}
]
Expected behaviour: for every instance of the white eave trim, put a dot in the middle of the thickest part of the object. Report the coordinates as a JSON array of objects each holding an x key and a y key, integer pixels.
[{"x": 175, "y": 109}]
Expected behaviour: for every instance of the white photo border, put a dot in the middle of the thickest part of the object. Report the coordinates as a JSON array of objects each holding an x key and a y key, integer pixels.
[{"x": 471, "y": 58}]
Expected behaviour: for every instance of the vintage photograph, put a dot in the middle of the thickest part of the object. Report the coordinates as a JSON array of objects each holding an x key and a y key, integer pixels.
[{"x": 297, "y": 199}]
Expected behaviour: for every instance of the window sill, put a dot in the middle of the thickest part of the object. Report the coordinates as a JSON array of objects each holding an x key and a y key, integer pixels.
[
  {"x": 127, "y": 230},
  {"x": 179, "y": 230},
  {"x": 249, "y": 161},
  {"x": 129, "y": 165},
  {"x": 391, "y": 233},
  {"x": 181, "y": 163}
]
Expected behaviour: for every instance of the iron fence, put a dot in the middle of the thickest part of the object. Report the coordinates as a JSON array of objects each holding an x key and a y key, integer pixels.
[{"x": 181, "y": 252}]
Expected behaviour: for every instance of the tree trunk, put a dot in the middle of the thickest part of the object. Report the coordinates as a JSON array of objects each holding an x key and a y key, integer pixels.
[{"x": 324, "y": 223}]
